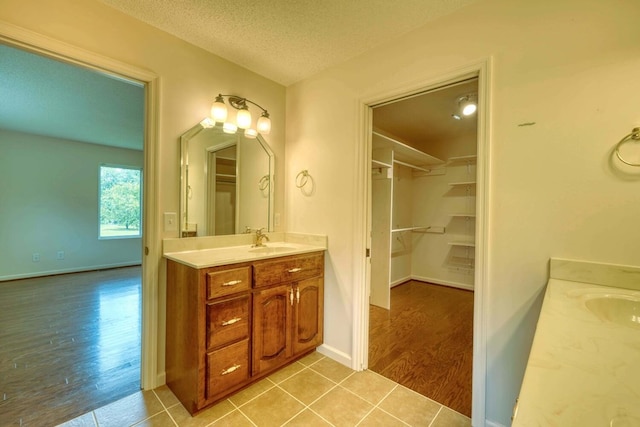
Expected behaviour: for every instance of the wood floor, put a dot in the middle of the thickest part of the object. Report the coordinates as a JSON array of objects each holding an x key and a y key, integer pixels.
[
  {"x": 68, "y": 344},
  {"x": 425, "y": 342}
]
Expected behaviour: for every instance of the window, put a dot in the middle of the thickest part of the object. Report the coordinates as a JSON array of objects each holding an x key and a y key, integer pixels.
[{"x": 120, "y": 202}]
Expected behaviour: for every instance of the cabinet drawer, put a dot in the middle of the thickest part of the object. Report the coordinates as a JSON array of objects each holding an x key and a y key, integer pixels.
[
  {"x": 227, "y": 282},
  {"x": 227, "y": 367},
  {"x": 228, "y": 321},
  {"x": 288, "y": 269}
]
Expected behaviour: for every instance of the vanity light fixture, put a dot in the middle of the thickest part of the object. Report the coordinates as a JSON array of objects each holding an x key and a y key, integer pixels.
[
  {"x": 466, "y": 106},
  {"x": 243, "y": 116}
]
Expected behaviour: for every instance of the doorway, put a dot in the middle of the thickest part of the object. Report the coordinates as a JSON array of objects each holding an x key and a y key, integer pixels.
[
  {"x": 423, "y": 228},
  {"x": 481, "y": 71},
  {"x": 147, "y": 245}
]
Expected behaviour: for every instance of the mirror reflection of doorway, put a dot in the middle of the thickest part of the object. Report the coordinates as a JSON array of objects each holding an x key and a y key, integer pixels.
[
  {"x": 222, "y": 191},
  {"x": 70, "y": 295},
  {"x": 422, "y": 246}
]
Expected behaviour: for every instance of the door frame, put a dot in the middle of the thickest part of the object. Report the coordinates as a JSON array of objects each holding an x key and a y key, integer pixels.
[
  {"x": 41, "y": 45},
  {"x": 362, "y": 220}
]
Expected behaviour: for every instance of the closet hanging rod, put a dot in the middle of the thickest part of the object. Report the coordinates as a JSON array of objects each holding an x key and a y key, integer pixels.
[{"x": 411, "y": 166}]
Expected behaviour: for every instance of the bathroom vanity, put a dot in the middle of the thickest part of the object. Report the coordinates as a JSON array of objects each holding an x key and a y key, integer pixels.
[
  {"x": 583, "y": 367},
  {"x": 236, "y": 314}
]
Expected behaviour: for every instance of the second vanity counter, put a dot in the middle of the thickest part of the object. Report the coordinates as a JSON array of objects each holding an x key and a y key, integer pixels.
[{"x": 584, "y": 365}]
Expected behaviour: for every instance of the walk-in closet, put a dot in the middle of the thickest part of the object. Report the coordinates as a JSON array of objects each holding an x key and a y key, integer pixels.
[{"x": 423, "y": 213}]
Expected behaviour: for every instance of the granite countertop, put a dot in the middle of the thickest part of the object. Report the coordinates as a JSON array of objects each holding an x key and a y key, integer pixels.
[
  {"x": 584, "y": 365},
  {"x": 208, "y": 252}
]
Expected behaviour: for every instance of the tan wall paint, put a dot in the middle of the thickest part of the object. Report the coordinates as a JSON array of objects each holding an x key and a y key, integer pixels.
[
  {"x": 189, "y": 80},
  {"x": 54, "y": 206},
  {"x": 571, "y": 67}
]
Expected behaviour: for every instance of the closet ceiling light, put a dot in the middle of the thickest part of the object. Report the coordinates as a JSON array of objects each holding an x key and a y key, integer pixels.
[
  {"x": 466, "y": 106},
  {"x": 243, "y": 116}
]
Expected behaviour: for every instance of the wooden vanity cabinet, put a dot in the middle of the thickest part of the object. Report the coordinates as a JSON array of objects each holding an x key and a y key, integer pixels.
[
  {"x": 228, "y": 326},
  {"x": 288, "y": 307},
  {"x": 208, "y": 332}
]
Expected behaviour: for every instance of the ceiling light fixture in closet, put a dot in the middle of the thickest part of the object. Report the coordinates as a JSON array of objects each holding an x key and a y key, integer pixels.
[{"x": 467, "y": 105}]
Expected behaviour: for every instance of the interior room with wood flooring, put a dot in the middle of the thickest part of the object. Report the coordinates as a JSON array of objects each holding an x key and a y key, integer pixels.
[
  {"x": 425, "y": 342},
  {"x": 69, "y": 344}
]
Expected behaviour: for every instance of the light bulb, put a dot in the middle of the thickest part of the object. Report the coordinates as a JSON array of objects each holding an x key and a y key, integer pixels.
[
  {"x": 243, "y": 118},
  {"x": 219, "y": 110},
  {"x": 469, "y": 109},
  {"x": 250, "y": 133},
  {"x": 229, "y": 128},
  {"x": 264, "y": 124}
]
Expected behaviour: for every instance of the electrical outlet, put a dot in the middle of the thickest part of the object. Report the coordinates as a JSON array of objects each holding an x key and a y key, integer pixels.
[
  {"x": 60, "y": 255},
  {"x": 35, "y": 257},
  {"x": 276, "y": 219}
]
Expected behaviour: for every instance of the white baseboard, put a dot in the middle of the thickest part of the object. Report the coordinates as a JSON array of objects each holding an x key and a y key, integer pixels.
[
  {"x": 336, "y": 355},
  {"x": 489, "y": 423},
  {"x": 69, "y": 270},
  {"x": 443, "y": 282},
  {"x": 399, "y": 281},
  {"x": 161, "y": 379}
]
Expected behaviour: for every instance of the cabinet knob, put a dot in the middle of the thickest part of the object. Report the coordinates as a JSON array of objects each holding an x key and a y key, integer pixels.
[
  {"x": 232, "y": 283},
  {"x": 231, "y": 321}
]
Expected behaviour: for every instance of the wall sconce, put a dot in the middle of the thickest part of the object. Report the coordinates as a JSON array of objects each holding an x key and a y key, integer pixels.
[
  {"x": 243, "y": 116},
  {"x": 467, "y": 105}
]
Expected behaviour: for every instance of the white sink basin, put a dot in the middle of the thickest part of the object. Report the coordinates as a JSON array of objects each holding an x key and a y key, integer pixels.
[{"x": 616, "y": 308}]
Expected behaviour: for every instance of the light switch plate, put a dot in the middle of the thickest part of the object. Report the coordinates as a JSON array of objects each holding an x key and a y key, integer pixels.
[{"x": 170, "y": 221}]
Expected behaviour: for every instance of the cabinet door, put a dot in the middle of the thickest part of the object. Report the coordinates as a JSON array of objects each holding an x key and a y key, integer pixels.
[
  {"x": 272, "y": 309},
  {"x": 308, "y": 314}
]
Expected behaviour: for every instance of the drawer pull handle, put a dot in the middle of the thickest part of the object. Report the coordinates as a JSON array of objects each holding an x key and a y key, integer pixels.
[
  {"x": 229, "y": 370},
  {"x": 232, "y": 283},
  {"x": 298, "y": 295},
  {"x": 295, "y": 270},
  {"x": 291, "y": 296},
  {"x": 231, "y": 321}
]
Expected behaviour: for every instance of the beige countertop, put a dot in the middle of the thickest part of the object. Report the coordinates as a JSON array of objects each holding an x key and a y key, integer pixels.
[
  {"x": 211, "y": 252},
  {"x": 584, "y": 365}
]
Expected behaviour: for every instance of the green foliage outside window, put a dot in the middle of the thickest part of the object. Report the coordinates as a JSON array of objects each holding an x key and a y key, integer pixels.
[{"x": 120, "y": 201}]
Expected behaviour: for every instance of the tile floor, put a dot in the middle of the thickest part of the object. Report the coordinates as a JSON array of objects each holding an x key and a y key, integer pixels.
[{"x": 315, "y": 391}]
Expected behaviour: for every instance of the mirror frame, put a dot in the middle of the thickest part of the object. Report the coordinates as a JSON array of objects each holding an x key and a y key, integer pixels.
[{"x": 184, "y": 175}]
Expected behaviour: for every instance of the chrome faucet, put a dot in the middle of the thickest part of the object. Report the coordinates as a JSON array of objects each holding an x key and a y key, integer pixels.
[{"x": 260, "y": 236}]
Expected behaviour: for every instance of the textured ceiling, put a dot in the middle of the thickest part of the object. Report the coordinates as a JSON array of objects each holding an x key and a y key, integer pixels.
[
  {"x": 420, "y": 121},
  {"x": 286, "y": 40},
  {"x": 47, "y": 97}
]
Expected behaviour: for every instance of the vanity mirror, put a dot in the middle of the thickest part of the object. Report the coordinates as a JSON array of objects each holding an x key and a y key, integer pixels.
[{"x": 226, "y": 182}]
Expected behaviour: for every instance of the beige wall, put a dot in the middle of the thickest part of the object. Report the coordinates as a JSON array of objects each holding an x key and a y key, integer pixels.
[
  {"x": 54, "y": 206},
  {"x": 571, "y": 67},
  {"x": 190, "y": 78}
]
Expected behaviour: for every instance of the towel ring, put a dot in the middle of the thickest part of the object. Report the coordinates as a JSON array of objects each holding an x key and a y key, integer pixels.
[
  {"x": 302, "y": 178},
  {"x": 263, "y": 183},
  {"x": 634, "y": 135}
]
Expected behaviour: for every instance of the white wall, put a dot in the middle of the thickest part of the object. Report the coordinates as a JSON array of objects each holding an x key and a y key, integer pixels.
[
  {"x": 433, "y": 258},
  {"x": 50, "y": 203},
  {"x": 190, "y": 78},
  {"x": 571, "y": 67}
]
